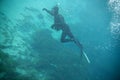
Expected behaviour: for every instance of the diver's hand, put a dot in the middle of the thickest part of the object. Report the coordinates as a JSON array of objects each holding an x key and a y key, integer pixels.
[
  {"x": 44, "y": 9},
  {"x": 53, "y": 26}
]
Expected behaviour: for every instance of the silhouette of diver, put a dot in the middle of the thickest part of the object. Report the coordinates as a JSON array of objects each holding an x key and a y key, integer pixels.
[{"x": 60, "y": 24}]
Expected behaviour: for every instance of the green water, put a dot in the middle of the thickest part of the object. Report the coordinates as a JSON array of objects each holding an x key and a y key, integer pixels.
[{"x": 31, "y": 50}]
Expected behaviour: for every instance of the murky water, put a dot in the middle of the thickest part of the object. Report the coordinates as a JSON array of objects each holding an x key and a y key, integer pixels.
[{"x": 30, "y": 49}]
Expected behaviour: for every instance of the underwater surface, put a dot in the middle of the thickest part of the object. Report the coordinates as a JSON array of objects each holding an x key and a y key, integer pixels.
[{"x": 31, "y": 50}]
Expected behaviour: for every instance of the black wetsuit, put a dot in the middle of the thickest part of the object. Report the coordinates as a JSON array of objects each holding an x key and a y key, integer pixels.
[{"x": 59, "y": 24}]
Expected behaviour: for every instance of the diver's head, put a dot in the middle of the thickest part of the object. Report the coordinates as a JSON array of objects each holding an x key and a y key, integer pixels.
[{"x": 55, "y": 10}]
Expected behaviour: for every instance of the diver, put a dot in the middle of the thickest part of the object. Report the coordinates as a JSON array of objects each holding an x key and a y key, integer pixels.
[{"x": 60, "y": 24}]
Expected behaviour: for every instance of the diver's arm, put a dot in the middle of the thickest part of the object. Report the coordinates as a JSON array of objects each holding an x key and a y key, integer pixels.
[{"x": 48, "y": 11}]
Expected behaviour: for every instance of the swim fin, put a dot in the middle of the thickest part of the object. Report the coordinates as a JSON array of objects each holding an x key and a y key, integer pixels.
[{"x": 81, "y": 49}]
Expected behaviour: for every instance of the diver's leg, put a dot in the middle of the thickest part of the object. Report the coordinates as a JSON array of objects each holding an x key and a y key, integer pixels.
[
  {"x": 78, "y": 43},
  {"x": 70, "y": 35},
  {"x": 74, "y": 39},
  {"x": 63, "y": 37}
]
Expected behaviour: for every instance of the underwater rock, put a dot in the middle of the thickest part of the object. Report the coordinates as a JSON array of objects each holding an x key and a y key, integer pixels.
[{"x": 6, "y": 29}]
